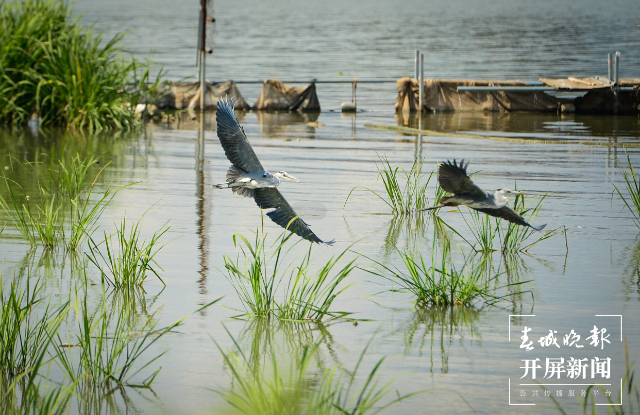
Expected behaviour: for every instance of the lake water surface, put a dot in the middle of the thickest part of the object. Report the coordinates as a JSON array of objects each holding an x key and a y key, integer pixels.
[{"x": 464, "y": 353}]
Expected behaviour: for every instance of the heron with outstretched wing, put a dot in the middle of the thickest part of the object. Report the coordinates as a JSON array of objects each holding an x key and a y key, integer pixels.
[
  {"x": 248, "y": 178},
  {"x": 454, "y": 180}
]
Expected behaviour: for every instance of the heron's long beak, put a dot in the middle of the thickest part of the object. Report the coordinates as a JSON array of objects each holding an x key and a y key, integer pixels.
[{"x": 293, "y": 179}]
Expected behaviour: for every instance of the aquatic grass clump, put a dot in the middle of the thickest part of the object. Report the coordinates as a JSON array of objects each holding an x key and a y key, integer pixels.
[
  {"x": 53, "y": 68},
  {"x": 296, "y": 391},
  {"x": 440, "y": 283},
  {"x": 307, "y": 296},
  {"x": 632, "y": 184},
  {"x": 126, "y": 256},
  {"x": 27, "y": 326},
  {"x": 405, "y": 191}
]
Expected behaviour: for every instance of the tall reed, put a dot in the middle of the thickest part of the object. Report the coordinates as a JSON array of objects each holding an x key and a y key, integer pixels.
[{"x": 308, "y": 295}]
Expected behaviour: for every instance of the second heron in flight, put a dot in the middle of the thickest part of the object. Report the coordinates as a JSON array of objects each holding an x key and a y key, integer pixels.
[
  {"x": 453, "y": 178},
  {"x": 248, "y": 178}
]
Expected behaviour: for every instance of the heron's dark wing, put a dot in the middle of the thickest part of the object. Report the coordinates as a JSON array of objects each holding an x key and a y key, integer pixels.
[
  {"x": 509, "y": 214},
  {"x": 453, "y": 179},
  {"x": 270, "y": 197},
  {"x": 234, "y": 141}
]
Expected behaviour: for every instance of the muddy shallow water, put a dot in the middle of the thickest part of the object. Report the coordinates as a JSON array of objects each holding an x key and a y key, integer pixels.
[{"x": 464, "y": 353}]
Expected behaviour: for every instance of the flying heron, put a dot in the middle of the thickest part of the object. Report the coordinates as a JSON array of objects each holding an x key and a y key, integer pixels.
[
  {"x": 248, "y": 178},
  {"x": 454, "y": 179}
]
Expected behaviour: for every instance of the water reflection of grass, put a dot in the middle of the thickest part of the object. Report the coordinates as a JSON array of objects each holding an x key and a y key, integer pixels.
[
  {"x": 438, "y": 328},
  {"x": 288, "y": 386},
  {"x": 308, "y": 294}
]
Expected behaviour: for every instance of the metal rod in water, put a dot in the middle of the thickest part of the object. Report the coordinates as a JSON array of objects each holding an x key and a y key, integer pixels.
[
  {"x": 610, "y": 63},
  {"x": 416, "y": 65},
  {"x": 617, "y": 67},
  {"x": 421, "y": 83},
  {"x": 527, "y": 88}
]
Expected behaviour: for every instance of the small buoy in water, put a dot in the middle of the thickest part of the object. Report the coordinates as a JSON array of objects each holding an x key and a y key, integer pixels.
[{"x": 348, "y": 107}]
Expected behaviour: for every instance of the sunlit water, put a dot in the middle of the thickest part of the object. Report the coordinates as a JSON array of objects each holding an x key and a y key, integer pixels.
[{"x": 464, "y": 353}]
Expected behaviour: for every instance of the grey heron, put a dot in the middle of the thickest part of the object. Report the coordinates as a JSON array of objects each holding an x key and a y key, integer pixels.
[
  {"x": 248, "y": 178},
  {"x": 454, "y": 179}
]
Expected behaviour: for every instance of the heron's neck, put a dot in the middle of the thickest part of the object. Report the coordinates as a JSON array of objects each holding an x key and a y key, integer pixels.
[{"x": 500, "y": 198}]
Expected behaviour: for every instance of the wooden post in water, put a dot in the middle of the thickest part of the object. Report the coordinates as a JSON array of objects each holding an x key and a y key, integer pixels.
[
  {"x": 202, "y": 35},
  {"x": 421, "y": 83}
]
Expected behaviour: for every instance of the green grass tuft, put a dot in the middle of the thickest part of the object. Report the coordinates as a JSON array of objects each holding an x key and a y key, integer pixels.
[
  {"x": 632, "y": 184},
  {"x": 405, "y": 191},
  {"x": 308, "y": 295},
  {"x": 126, "y": 256}
]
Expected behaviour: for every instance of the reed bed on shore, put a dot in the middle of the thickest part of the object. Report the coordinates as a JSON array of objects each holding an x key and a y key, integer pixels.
[{"x": 62, "y": 73}]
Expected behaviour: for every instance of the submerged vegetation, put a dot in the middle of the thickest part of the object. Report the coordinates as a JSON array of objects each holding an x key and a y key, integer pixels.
[
  {"x": 54, "y": 69},
  {"x": 308, "y": 295}
]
